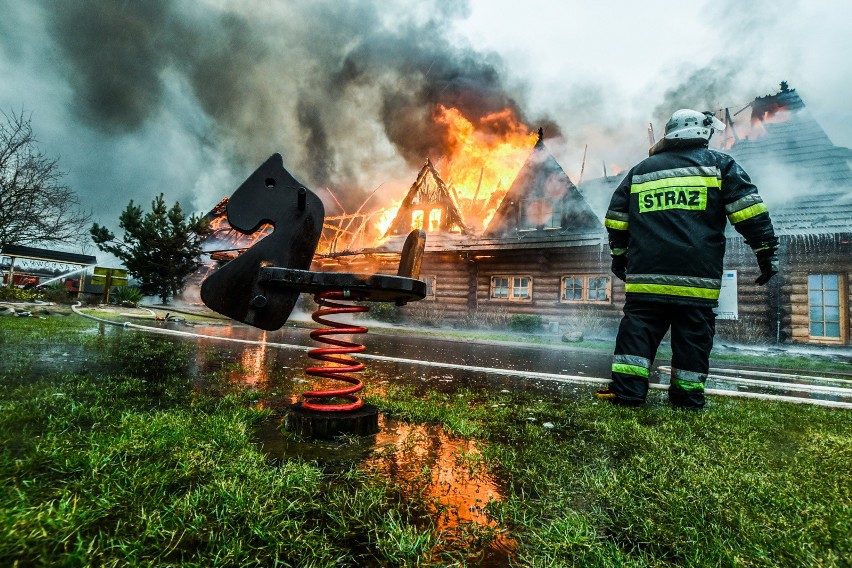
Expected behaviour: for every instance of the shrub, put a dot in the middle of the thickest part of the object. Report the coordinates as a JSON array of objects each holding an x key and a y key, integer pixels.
[
  {"x": 743, "y": 331},
  {"x": 592, "y": 320},
  {"x": 125, "y": 296},
  {"x": 494, "y": 318},
  {"x": 383, "y": 311},
  {"x": 15, "y": 294},
  {"x": 56, "y": 293},
  {"x": 427, "y": 313},
  {"x": 525, "y": 323}
]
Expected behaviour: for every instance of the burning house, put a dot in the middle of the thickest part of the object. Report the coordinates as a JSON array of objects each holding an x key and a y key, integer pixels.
[
  {"x": 429, "y": 205},
  {"x": 807, "y": 183},
  {"x": 544, "y": 250},
  {"x": 539, "y": 247}
]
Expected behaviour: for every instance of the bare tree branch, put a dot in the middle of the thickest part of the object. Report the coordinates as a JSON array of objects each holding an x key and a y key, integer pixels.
[{"x": 36, "y": 206}]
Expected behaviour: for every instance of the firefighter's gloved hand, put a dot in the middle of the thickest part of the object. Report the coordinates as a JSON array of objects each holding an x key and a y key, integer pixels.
[
  {"x": 768, "y": 264},
  {"x": 619, "y": 267}
]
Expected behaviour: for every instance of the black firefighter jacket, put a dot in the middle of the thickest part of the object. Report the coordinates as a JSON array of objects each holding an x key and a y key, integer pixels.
[{"x": 668, "y": 215}]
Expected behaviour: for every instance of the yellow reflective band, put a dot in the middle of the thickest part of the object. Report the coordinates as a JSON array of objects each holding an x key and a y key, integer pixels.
[
  {"x": 682, "y": 181},
  {"x": 614, "y": 224},
  {"x": 747, "y": 213},
  {"x": 630, "y": 370},
  {"x": 688, "y": 386},
  {"x": 669, "y": 290}
]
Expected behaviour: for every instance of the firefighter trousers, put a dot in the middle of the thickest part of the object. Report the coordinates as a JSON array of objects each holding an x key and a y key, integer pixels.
[{"x": 642, "y": 329}]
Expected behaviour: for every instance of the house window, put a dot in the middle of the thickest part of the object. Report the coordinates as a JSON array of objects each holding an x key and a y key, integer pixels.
[
  {"x": 824, "y": 305},
  {"x": 536, "y": 213},
  {"x": 586, "y": 288},
  {"x": 430, "y": 286},
  {"x": 511, "y": 288},
  {"x": 416, "y": 220}
]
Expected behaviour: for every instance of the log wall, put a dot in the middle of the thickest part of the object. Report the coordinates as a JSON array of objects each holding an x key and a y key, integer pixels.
[
  {"x": 781, "y": 309},
  {"x": 463, "y": 282}
]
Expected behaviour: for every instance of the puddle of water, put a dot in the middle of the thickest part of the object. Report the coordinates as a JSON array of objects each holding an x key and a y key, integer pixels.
[{"x": 446, "y": 472}]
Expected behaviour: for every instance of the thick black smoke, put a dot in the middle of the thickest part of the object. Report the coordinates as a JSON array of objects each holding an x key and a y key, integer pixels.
[
  {"x": 706, "y": 88},
  {"x": 330, "y": 84}
]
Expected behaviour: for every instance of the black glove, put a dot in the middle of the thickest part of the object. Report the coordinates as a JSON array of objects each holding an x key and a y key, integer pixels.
[
  {"x": 619, "y": 267},
  {"x": 768, "y": 263}
]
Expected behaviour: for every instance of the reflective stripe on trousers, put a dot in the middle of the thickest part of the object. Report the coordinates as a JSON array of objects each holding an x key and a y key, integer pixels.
[{"x": 639, "y": 335}]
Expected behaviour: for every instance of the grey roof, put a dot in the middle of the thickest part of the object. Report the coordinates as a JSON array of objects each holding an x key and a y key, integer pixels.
[
  {"x": 821, "y": 213},
  {"x": 803, "y": 177}
]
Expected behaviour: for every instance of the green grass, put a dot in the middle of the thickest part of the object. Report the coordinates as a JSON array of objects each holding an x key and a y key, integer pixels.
[
  {"x": 134, "y": 465},
  {"x": 141, "y": 468},
  {"x": 746, "y": 483}
]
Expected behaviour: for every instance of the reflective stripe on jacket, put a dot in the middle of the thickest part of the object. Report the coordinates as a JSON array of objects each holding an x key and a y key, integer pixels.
[{"x": 668, "y": 215}]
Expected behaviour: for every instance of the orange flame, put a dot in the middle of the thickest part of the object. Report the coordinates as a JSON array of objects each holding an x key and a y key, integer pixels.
[
  {"x": 479, "y": 161},
  {"x": 385, "y": 217}
]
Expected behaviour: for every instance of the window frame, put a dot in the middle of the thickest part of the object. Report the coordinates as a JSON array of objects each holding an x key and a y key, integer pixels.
[
  {"x": 511, "y": 287},
  {"x": 841, "y": 308},
  {"x": 557, "y": 210},
  {"x": 584, "y": 299}
]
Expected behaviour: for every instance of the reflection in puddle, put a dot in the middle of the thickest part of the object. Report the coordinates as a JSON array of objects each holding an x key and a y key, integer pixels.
[
  {"x": 449, "y": 470},
  {"x": 253, "y": 361},
  {"x": 448, "y": 474}
]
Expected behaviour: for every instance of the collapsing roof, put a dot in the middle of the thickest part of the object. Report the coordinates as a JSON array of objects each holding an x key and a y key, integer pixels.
[
  {"x": 542, "y": 208},
  {"x": 804, "y": 178},
  {"x": 428, "y": 205}
]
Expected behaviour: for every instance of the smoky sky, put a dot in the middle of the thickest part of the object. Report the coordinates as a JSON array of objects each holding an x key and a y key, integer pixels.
[
  {"x": 304, "y": 78},
  {"x": 187, "y": 97}
]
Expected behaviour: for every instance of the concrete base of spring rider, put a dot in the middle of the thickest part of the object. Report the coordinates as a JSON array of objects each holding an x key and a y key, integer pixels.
[{"x": 312, "y": 424}]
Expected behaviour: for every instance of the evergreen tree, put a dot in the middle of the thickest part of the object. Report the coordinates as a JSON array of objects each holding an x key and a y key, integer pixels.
[{"x": 160, "y": 249}]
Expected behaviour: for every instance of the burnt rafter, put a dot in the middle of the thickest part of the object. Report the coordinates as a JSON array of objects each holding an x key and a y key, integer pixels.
[{"x": 428, "y": 193}]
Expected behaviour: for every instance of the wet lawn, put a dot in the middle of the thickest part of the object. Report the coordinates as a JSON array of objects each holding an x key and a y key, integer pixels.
[{"x": 132, "y": 449}]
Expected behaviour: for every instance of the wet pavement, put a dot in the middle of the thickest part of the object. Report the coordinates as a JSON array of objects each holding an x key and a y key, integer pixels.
[{"x": 495, "y": 364}]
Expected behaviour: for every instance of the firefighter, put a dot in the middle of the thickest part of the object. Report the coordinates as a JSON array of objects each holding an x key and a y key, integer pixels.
[{"x": 666, "y": 224}]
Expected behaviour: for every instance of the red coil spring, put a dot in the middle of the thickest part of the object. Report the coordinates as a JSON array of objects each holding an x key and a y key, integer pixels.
[{"x": 343, "y": 366}]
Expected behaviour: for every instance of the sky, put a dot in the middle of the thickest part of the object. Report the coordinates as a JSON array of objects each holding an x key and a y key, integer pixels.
[{"x": 188, "y": 97}]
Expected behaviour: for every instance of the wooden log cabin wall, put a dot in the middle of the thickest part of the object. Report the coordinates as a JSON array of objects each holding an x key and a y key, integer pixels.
[{"x": 524, "y": 282}]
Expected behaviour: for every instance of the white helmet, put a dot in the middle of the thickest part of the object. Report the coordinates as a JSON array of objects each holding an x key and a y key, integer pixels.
[{"x": 688, "y": 124}]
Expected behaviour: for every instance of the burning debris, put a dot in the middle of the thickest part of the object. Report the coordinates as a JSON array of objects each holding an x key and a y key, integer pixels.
[
  {"x": 765, "y": 111},
  {"x": 224, "y": 242},
  {"x": 481, "y": 155}
]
